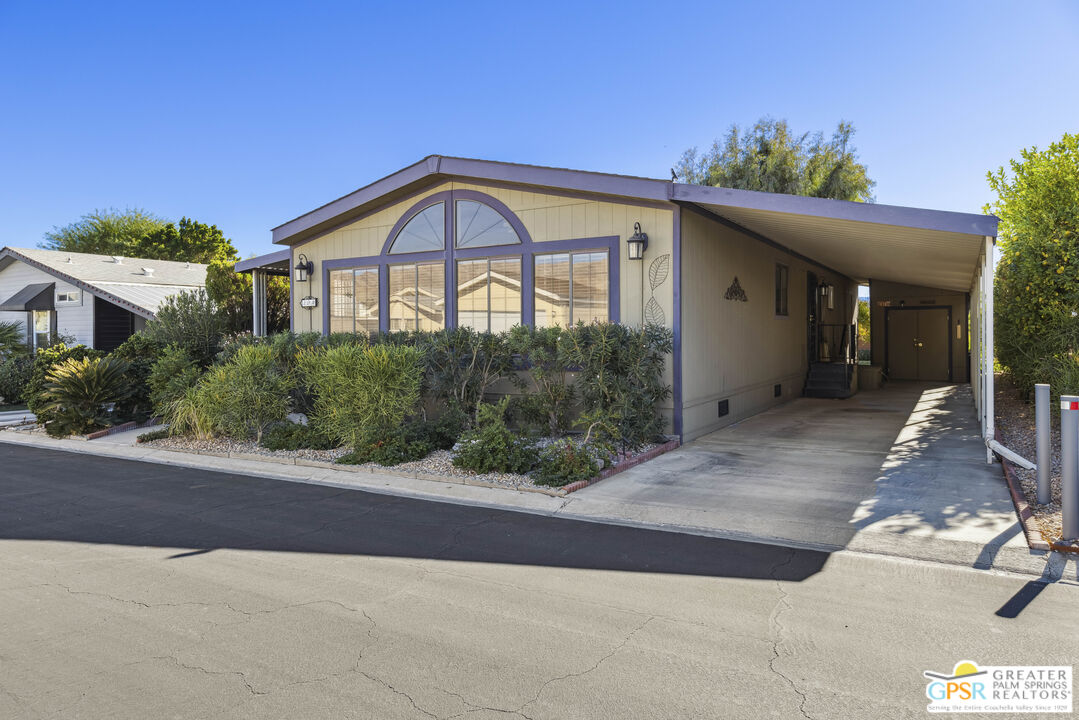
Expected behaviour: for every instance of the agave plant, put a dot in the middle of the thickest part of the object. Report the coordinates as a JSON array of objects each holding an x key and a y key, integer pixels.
[{"x": 79, "y": 395}]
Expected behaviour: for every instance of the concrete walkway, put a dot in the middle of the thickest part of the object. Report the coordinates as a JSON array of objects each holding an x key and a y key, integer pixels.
[{"x": 899, "y": 472}]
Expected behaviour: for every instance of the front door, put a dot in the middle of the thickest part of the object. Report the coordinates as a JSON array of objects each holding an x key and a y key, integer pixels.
[
  {"x": 918, "y": 344},
  {"x": 812, "y": 311}
]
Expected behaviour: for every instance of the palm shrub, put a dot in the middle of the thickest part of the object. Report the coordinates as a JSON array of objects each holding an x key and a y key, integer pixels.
[
  {"x": 620, "y": 378},
  {"x": 170, "y": 377},
  {"x": 245, "y": 395},
  {"x": 140, "y": 352},
  {"x": 45, "y": 359},
  {"x": 192, "y": 321},
  {"x": 80, "y": 394},
  {"x": 361, "y": 390},
  {"x": 491, "y": 446},
  {"x": 552, "y": 403},
  {"x": 11, "y": 339}
]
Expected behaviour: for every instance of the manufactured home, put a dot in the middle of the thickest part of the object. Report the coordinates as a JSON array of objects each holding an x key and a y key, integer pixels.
[
  {"x": 98, "y": 300},
  {"x": 759, "y": 289}
]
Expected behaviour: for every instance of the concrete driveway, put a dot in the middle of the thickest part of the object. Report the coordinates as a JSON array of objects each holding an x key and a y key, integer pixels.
[{"x": 899, "y": 470}]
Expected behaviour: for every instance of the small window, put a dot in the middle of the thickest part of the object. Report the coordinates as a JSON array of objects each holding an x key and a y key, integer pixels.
[
  {"x": 418, "y": 296},
  {"x": 426, "y": 231},
  {"x": 354, "y": 300},
  {"x": 782, "y": 280},
  {"x": 480, "y": 225},
  {"x": 69, "y": 297},
  {"x": 571, "y": 288},
  {"x": 489, "y": 293}
]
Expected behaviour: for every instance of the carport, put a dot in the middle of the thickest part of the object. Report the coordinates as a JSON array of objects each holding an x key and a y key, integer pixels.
[{"x": 882, "y": 245}]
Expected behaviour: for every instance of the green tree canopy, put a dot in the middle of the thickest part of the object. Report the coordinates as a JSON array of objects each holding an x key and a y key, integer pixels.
[
  {"x": 769, "y": 157},
  {"x": 1037, "y": 283},
  {"x": 136, "y": 233},
  {"x": 231, "y": 292}
]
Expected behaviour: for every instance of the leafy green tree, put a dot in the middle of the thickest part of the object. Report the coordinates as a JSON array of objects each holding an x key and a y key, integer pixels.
[
  {"x": 770, "y": 158},
  {"x": 231, "y": 291},
  {"x": 104, "y": 232},
  {"x": 187, "y": 240},
  {"x": 863, "y": 323},
  {"x": 1037, "y": 283}
]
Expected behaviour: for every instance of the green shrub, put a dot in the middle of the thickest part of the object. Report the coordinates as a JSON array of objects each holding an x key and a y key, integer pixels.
[
  {"x": 15, "y": 373},
  {"x": 621, "y": 378},
  {"x": 11, "y": 339},
  {"x": 245, "y": 395},
  {"x": 460, "y": 364},
  {"x": 191, "y": 321},
  {"x": 45, "y": 359},
  {"x": 566, "y": 461},
  {"x": 171, "y": 376},
  {"x": 491, "y": 446},
  {"x": 443, "y": 432},
  {"x": 551, "y": 405},
  {"x": 188, "y": 414},
  {"x": 160, "y": 434},
  {"x": 140, "y": 353},
  {"x": 388, "y": 447},
  {"x": 360, "y": 390},
  {"x": 80, "y": 395},
  {"x": 295, "y": 436}
]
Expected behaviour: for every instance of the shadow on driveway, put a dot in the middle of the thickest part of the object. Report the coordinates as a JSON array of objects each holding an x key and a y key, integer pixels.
[{"x": 53, "y": 495}]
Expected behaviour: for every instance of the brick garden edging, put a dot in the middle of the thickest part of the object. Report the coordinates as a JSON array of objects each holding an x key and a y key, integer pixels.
[
  {"x": 1035, "y": 539},
  {"x": 643, "y": 457}
]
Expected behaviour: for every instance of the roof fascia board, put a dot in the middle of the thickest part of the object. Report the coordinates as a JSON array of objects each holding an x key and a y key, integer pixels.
[
  {"x": 941, "y": 220},
  {"x": 260, "y": 260},
  {"x": 81, "y": 284}
]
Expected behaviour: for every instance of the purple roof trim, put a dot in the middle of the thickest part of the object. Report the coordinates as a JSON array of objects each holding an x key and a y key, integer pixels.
[
  {"x": 940, "y": 220},
  {"x": 263, "y": 260}
]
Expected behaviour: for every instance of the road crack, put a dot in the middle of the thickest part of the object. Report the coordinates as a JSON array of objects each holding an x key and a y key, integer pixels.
[{"x": 783, "y": 605}]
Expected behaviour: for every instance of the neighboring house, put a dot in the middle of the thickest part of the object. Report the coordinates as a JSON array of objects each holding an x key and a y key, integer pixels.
[
  {"x": 759, "y": 289},
  {"x": 99, "y": 300}
]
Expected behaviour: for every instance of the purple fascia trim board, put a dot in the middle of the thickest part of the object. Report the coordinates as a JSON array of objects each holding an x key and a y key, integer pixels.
[
  {"x": 939, "y": 220},
  {"x": 261, "y": 261},
  {"x": 676, "y": 261}
]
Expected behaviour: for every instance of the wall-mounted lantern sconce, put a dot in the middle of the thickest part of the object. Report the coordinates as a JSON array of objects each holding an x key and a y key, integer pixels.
[
  {"x": 638, "y": 243},
  {"x": 827, "y": 294},
  {"x": 304, "y": 268}
]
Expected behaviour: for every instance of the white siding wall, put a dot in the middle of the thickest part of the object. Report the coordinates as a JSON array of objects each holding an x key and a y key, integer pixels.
[{"x": 73, "y": 320}]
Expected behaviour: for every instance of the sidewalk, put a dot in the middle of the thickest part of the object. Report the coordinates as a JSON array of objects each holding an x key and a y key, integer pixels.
[{"x": 1008, "y": 553}]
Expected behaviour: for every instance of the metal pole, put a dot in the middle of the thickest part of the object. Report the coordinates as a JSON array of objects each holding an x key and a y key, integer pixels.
[
  {"x": 1069, "y": 465},
  {"x": 1041, "y": 429}
]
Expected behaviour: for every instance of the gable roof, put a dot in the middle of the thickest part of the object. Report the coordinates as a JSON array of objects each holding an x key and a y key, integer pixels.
[
  {"x": 860, "y": 240},
  {"x": 125, "y": 283}
]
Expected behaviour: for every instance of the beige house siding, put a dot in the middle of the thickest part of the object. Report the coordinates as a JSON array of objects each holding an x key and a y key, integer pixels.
[
  {"x": 738, "y": 351},
  {"x": 890, "y": 294}
]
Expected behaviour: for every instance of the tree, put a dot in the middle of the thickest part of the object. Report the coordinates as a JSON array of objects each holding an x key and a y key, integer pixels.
[
  {"x": 231, "y": 292},
  {"x": 104, "y": 232},
  {"x": 769, "y": 157},
  {"x": 1037, "y": 283},
  {"x": 135, "y": 233}
]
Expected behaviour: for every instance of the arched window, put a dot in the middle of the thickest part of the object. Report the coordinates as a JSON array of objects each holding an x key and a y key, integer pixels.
[
  {"x": 480, "y": 225},
  {"x": 424, "y": 232}
]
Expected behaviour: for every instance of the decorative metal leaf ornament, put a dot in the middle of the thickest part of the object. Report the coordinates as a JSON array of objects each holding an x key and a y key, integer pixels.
[
  {"x": 653, "y": 313},
  {"x": 658, "y": 270}
]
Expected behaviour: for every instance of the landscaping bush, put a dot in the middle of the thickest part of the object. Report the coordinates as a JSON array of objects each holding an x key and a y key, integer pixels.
[
  {"x": 15, "y": 373},
  {"x": 189, "y": 320},
  {"x": 171, "y": 376},
  {"x": 551, "y": 405},
  {"x": 620, "y": 378},
  {"x": 566, "y": 461},
  {"x": 45, "y": 359},
  {"x": 491, "y": 446},
  {"x": 140, "y": 353},
  {"x": 188, "y": 414},
  {"x": 11, "y": 339},
  {"x": 460, "y": 365},
  {"x": 80, "y": 394},
  {"x": 245, "y": 395},
  {"x": 388, "y": 447},
  {"x": 361, "y": 391},
  {"x": 153, "y": 435},
  {"x": 295, "y": 436}
]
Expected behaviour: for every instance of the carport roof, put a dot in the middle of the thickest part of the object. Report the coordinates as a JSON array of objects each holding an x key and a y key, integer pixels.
[{"x": 861, "y": 240}]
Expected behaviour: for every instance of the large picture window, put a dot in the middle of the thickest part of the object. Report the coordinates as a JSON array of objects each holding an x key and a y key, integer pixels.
[
  {"x": 572, "y": 287},
  {"x": 418, "y": 296},
  {"x": 354, "y": 300},
  {"x": 489, "y": 293}
]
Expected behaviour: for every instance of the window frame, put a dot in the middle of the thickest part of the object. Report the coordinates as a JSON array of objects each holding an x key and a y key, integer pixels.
[
  {"x": 329, "y": 296},
  {"x": 782, "y": 292},
  {"x": 526, "y": 250},
  {"x": 570, "y": 255}
]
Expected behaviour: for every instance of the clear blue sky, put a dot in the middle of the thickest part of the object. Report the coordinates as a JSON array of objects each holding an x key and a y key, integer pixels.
[{"x": 247, "y": 116}]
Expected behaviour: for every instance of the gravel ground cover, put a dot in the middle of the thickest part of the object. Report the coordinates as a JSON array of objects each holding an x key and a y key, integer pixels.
[
  {"x": 438, "y": 463},
  {"x": 1015, "y": 420}
]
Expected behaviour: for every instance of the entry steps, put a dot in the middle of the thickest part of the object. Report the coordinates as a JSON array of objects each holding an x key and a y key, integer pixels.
[{"x": 829, "y": 380}]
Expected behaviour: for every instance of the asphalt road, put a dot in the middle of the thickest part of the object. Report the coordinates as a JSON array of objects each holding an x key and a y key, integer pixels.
[{"x": 131, "y": 590}]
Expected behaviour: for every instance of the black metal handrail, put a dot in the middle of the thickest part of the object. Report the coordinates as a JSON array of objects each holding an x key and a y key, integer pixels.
[{"x": 836, "y": 336}]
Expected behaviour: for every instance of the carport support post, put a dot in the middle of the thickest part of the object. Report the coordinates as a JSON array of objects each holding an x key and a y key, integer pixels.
[
  {"x": 1069, "y": 465},
  {"x": 1042, "y": 429}
]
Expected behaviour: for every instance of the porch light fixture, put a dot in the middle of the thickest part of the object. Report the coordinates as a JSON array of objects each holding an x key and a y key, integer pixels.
[
  {"x": 304, "y": 268},
  {"x": 638, "y": 243}
]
